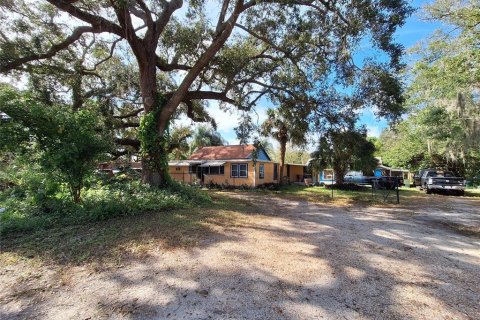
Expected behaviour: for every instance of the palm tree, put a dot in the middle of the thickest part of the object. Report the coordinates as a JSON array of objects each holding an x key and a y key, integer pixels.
[
  {"x": 205, "y": 136},
  {"x": 284, "y": 127}
]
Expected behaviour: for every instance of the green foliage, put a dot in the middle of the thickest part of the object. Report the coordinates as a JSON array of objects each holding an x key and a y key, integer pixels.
[
  {"x": 153, "y": 145},
  {"x": 65, "y": 144},
  {"x": 263, "y": 50},
  {"x": 103, "y": 200},
  {"x": 293, "y": 154},
  {"x": 381, "y": 89},
  {"x": 343, "y": 150},
  {"x": 450, "y": 60},
  {"x": 285, "y": 124},
  {"x": 442, "y": 129},
  {"x": 403, "y": 146},
  {"x": 179, "y": 147},
  {"x": 430, "y": 137}
]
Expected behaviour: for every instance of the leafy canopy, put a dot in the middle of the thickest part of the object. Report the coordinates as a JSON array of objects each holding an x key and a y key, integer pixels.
[
  {"x": 443, "y": 129},
  {"x": 344, "y": 149},
  {"x": 65, "y": 144}
]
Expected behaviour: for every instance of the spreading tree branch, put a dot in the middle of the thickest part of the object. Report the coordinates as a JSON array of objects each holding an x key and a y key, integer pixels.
[
  {"x": 102, "y": 24},
  {"x": 128, "y": 142},
  {"x": 77, "y": 33},
  {"x": 129, "y": 115}
]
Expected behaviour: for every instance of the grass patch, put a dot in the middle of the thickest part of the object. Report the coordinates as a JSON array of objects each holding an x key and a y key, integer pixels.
[
  {"x": 409, "y": 197},
  {"x": 340, "y": 197},
  {"x": 475, "y": 193},
  {"x": 131, "y": 236},
  {"x": 363, "y": 196}
]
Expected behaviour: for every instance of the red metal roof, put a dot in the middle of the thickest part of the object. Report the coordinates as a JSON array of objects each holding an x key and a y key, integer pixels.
[{"x": 223, "y": 152}]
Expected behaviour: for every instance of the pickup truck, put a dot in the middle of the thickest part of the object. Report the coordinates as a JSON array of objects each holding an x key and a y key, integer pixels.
[
  {"x": 437, "y": 180},
  {"x": 387, "y": 182},
  {"x": 356, "y": 177}
]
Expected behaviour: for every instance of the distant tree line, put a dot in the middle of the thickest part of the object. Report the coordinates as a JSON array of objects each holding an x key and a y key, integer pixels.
[{"x": 442, "y": 129}]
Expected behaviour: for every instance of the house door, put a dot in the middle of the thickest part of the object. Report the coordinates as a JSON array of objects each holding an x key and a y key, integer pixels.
[{"x": 199, "y": 173}]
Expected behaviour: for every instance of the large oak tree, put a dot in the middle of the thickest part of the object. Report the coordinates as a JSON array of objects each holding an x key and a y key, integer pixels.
[{"x": 233, "y": 51}]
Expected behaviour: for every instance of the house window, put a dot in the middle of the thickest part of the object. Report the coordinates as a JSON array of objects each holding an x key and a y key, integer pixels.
[
  {"x": 217, "y": 170},
  {"x": 239, "y": 170},
  {"x": 261, "y": 171},
  {"x": 275, "y": 171}
]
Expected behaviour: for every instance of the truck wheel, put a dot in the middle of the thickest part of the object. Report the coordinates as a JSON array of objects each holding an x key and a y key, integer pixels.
[{"x": 427, "y": 191}]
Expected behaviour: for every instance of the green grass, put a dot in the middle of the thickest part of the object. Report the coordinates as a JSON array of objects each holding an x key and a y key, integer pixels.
[
  {"x": 475, "y": 193},
  {"x": 342, "y": 197}
]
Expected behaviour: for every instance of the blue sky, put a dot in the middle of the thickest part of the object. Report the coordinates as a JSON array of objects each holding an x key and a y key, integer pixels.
[{"x": 414, "y": 30}]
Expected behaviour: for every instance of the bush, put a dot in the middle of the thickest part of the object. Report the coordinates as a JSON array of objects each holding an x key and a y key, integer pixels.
[
  {"x": 226, "y": 186},
  {"x": 269, "y": 186},
  {"x": 65, "y": 144},
  {"x": 103, "y": 200}
]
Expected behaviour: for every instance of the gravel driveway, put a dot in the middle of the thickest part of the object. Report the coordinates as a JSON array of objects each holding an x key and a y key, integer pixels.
[{"x": 291, "y": 260}]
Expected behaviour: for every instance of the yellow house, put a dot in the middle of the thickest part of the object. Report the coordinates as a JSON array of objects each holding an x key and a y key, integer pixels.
[{"x": 232, "y": 165}]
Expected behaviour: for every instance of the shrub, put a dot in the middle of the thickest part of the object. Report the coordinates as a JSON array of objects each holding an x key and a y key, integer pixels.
[
  {"x": 64, "y": 143},
  {"x": 103, "y": 200},
  {"x": 269, "y": 186}
]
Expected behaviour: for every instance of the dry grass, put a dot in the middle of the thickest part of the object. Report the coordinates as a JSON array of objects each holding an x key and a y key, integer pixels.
[
  {"x": 114, "y": 240},
  {"x": 344, "y": 198},
  {"x": 257, "y": 247},
  {"x": 360, "y": 197}
]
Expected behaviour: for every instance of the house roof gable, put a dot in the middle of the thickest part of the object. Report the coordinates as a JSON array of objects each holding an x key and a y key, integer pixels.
[{"x": 224, "y": 152}]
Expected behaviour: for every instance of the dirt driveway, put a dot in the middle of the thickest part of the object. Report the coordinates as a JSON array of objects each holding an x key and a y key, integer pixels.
[{"x": 291, "y": 260}]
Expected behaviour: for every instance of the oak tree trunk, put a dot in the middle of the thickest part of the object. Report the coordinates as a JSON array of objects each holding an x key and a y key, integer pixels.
[
  {"x": 339, "y": 171},
  {"x": 154, "y": 174}
]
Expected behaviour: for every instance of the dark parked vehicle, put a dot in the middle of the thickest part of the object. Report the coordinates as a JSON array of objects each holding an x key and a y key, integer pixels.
[
  {"x": 387, "y": 182},
  {"x": 437, "y": 180},
  {"x": 417, "y": 178}
]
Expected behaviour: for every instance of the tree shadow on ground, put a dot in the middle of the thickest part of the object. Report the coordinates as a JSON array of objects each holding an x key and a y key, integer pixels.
[
  {"x": 296, "y": 261},
  {"x": 123, "y": 237}
]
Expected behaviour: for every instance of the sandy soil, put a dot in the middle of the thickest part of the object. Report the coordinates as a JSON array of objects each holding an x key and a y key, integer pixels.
[{"x": 292, "y": 260}]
